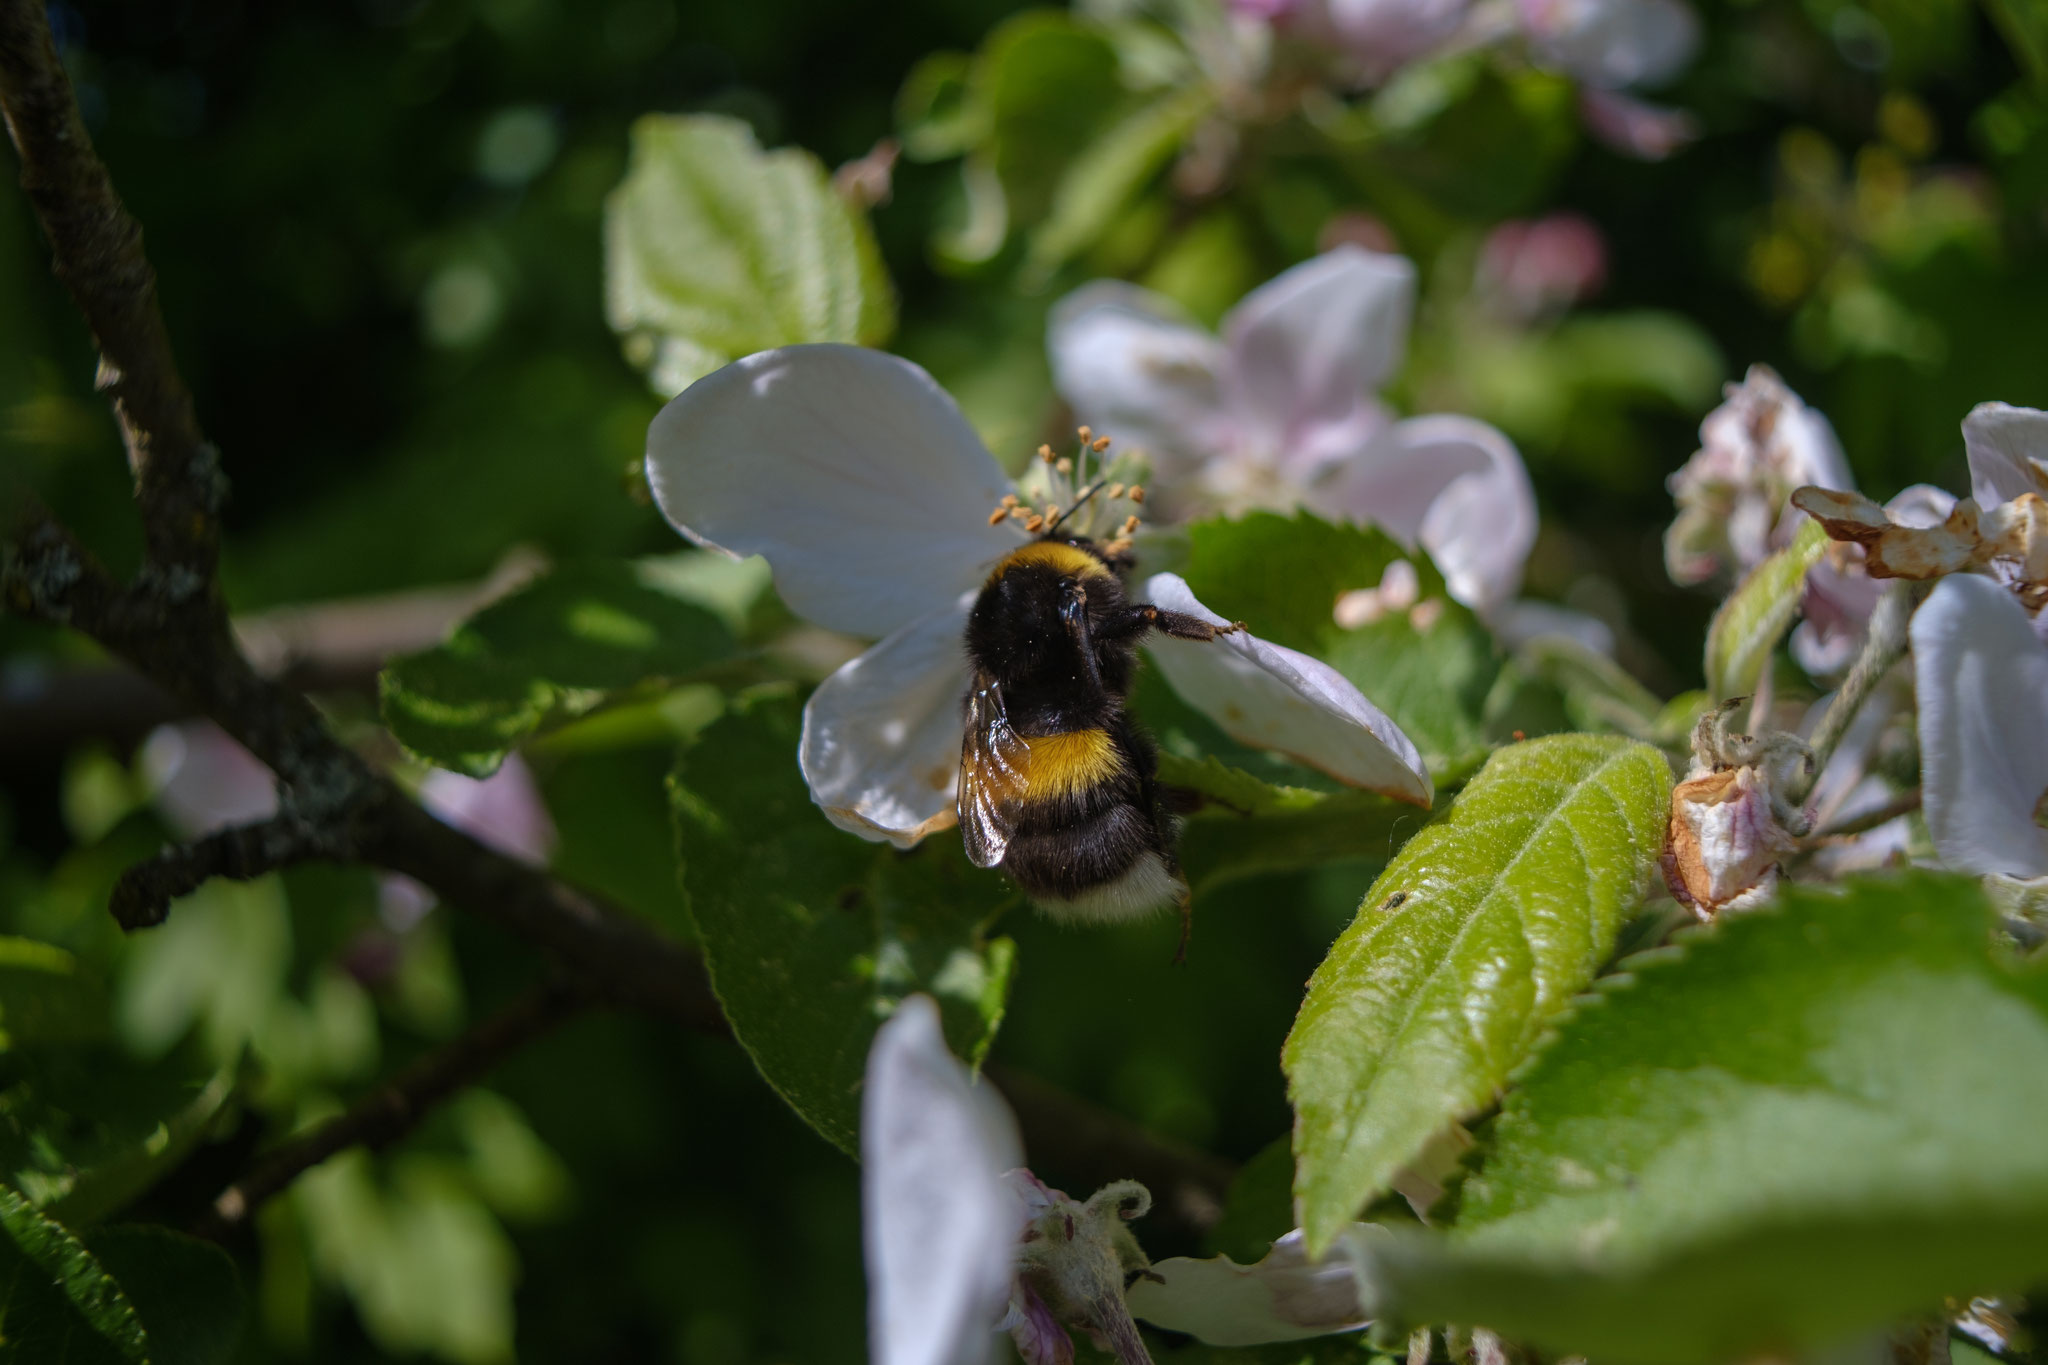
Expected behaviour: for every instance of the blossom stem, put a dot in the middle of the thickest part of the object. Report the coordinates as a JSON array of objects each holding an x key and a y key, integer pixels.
[
  {"x": 1903, "y": 804},
  {"x": 1883, "y": 646}
]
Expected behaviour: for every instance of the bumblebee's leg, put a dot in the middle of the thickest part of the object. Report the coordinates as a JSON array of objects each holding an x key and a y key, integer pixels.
[
  {"x": 1139, "y": 617},
  {"x": 1186, "y": 801}
]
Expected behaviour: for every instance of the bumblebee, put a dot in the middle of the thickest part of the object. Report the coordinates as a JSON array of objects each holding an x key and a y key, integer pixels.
[{"x": 1058, "y": 787}]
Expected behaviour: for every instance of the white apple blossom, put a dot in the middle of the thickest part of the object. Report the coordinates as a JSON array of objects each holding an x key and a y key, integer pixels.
[
  {"x": 1734, "y": 494},
  {"x": 1981, "y": 674},
  {"x": 2001, "y": 530},
  {"x": 1370, "y": 39},
  {"x": 1281, "y": 411},
  {"x": 939, "y": 1225},
  {"x": 962, "y": 1242},
  {"x": 861, "y": 483}
]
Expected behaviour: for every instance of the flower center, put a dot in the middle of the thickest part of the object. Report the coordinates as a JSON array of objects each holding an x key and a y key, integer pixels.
[{"x": 1086, "y": 494}]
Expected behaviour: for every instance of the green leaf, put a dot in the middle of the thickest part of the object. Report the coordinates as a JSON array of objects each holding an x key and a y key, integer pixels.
[
  {"x": 1248, "y": 826},
  {"x": 812, "y": 935},
  {"x": 1109, "y": 173},
  {"x": 185, "y": 1291},
  {"x": 1429, "y": 669},
  {"x": 1599, "y": 694},
  {"x": 1469, "y": 943},
  {"x": 1799, "y": 1123},
  {"x": 715, "y": 249},
  {"x": 1748, "y": 626},
  {"x": 1045, "y": 86},
  {"x": 558, "y": 646},
  {"x": 84, "y": 1126},
  {"x": 2024, "y": 26},
  {"x": 57, "y": 1303}
]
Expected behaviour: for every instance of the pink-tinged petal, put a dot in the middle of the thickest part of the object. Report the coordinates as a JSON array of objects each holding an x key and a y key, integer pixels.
[
  {"x": 1635, "y": 128},
  {"x": 1612, "y": 44},
  {"x": 1310, "y": 348},
  {"x": 1134, "y": 368},
  {"x": 939, "y": 1228},
  {"x": 504, "y": 810},
  {"x": 851, "y": 471},
  {"x": 1453, "y": 485},
  {"x": 881, "y": 738},
  {"x": 1276, "y": 698},
  {"x": 2008, "y": 450},
  {"x": 204, "y": 780},
  {"x": 1284, "y": 1297},
  {"x": 1982, "y": 679},
  {"x": 1379, "y": 37},
  {"x": 1039, "y": 1338}
]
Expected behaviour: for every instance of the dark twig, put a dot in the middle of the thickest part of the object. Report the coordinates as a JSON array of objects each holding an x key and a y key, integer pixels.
[
  {"x": 145, "y": 891},
  {"x": 393, "y": 1109}
]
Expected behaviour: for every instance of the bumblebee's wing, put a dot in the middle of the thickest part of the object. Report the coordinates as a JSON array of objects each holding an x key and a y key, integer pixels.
[{"x": 992, "y": 774}]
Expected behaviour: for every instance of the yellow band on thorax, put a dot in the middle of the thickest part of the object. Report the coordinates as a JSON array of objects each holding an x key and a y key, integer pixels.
[
  {"x": 1064, "y": 764},
  {"x": 1056, "y": 555}
]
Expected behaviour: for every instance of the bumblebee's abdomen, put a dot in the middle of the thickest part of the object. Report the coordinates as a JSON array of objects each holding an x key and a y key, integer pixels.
[
  {"x": 1058, "y": 768},
  {"x": 1066, "y": 860}
]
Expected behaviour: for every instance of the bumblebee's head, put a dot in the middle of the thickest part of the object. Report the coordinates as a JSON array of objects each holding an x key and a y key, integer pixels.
[{"x": 1085, "y": 499}]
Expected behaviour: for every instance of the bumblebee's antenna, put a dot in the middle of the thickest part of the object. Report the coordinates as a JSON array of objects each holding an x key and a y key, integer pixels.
[{"x": 1086, "y": 493}]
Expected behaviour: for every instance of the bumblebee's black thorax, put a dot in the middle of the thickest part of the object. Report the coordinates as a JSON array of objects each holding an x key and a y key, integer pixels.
[{"x": 1018, "y": 635}]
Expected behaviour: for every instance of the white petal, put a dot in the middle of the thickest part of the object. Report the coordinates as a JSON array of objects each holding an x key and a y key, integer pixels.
[
  {"x": 881, "y": 741},
  {"x": 1135, "y": 369},
  {"x": 505, "y": 810},
  {"x": 1284, "y": 1297},
  {"x": 1310, "y": 348},
  {"x": 1612, "y": 44},
  {"x": 2006, "y": 445},
  {"x": 1455, "y": 486},
  {"x": 940, "y": 1229},
  {"x": 850, "y": 470},
  {"x": 1983, "y": 684},
  {"x": 1276, "y": 698}
]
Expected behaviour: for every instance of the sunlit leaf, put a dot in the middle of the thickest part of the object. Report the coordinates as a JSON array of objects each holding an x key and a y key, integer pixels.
[
  {"x": 1757, "y": 614},
  {"x": 1804, "y": 1122},
  {"x": 1428, "y": 667},
  {"x": 1469, "y": 943},
  {"x": 558, "y": 646},
  {"x": 813, "y": 935},
  {"x": 715, "y": 249},
  {"x": 1109, "y": 172},
  {"x": 61, "y": 1304}
]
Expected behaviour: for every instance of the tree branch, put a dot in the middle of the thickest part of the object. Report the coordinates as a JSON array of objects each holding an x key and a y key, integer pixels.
[
  {"x": 393, "y": 1109},
  {"x": 143, "y": 895},
  {"x": 97, "y": 248}
]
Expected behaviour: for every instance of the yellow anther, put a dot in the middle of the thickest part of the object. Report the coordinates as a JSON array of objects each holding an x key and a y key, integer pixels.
[
  {"x": 1045, "y": 453},
  {"x": 1019, "y": 513},
  {"x": 1099, "y": 444},
  {"x": 998, "y": 515},
  {"x": 1064, "y": 465},
  {"x": 1035, "y": 524},
  {"x": 1130, "y": 525},
  {"x": 1052, "y": 511},
  {"x": 1137, "y": 493},
  {"x": 1009, "y": 499},
  {"x": 1113, "y": 492},
  {"x": 1085, "y": 433}
]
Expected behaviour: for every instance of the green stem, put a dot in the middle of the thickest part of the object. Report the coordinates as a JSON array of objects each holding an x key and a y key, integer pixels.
[{"x": 1882, "y": 647}]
